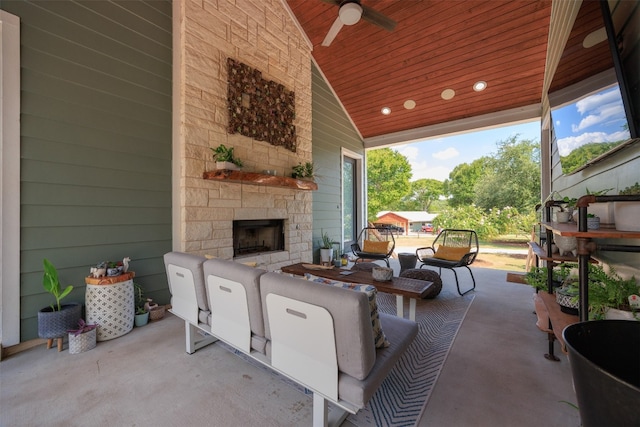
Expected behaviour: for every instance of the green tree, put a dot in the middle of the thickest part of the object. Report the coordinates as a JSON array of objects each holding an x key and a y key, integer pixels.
[
  {"x": 423, "y": 193},
  {"x": 462, "y": 181},
  {"x": 512, "y": 177},
  {"x": 388, "y": 175}
]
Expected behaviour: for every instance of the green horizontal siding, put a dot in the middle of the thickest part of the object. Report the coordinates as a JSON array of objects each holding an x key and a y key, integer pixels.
[
  {"x": 331, "y": 131},
  {"x": 95, "y": 142}
]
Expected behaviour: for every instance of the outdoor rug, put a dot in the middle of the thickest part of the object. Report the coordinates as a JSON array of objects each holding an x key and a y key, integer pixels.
[{"x": 405, "y": 392}]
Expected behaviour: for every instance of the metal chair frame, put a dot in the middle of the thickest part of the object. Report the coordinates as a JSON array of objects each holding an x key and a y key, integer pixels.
[
  {"x": 377, "y": 233},
  {"x": 452, "y": 238}
]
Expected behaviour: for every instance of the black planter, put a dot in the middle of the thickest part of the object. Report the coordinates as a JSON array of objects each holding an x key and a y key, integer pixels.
[
  {"x": 605, "y": 363},
  {"x": 55, "y": 324}
]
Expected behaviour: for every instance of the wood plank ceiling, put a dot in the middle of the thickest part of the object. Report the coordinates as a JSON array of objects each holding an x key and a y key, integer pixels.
[{"x": 436, "y": 45}]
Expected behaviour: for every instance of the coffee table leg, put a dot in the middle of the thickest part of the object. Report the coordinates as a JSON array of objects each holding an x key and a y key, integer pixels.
[
  {"x": 412, "y": 309},
  {"x": 399, "y": 306}
]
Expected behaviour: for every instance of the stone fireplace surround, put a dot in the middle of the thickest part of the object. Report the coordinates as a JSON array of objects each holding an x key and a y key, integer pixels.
[{"x": 263, "y": 36}]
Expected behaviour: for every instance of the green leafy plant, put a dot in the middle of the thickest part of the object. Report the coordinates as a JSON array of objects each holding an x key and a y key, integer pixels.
[
  {"x": 325, "y": 241},
  {"x": 301, "y": 170},
  {"x": 223, "y": 153},
  {"x": 537, "y": 276},
  {"x": 609, "y": 290},
  {"x": 631, "y": 190},
  {"x": 140, "y": 299},
  {"x": 51, "y": 284}
]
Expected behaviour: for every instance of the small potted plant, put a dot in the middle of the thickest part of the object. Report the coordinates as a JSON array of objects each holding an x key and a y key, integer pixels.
[
  {"x": 225, "y": 159},
  {"x": 55, "y": 320},
  {"x": 593, "y": 221},
  {"x": 142, "y": 313},
  {"x": 326, "y": 248},
  {"x": 628, "y": 212},
  {"x": 611, "y": 296},
  {"x": 303, "y": 171},
  {"x": 567, "y": 206},
  {"x": 82, "y": 338}
]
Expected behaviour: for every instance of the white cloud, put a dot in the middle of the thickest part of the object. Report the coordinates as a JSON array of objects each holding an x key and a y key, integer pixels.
[
  {"x": 599, "y": 115},
  {"x": 557, "y": 122},
  {"x": 422, "y": 171},
  {"x": 449, "y": 153},
  {"x": 568, "y": 144},
  {"x": 594, "y": 101},
  {"x": 410, "y": 152}
]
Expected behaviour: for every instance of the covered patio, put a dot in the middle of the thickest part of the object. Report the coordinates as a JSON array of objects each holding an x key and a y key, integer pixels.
[{"x": 494, "y": 375}]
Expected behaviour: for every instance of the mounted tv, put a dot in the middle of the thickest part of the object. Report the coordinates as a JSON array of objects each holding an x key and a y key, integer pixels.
[{"x": 594, "y": 94}]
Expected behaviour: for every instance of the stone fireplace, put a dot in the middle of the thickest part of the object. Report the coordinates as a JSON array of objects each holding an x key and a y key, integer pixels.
[
  {"x": 205, "y": 209},
  {"x": 256, "y": 236}
]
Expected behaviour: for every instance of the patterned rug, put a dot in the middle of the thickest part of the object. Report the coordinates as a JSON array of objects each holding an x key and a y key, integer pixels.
[{"x": 403, "y": 395}]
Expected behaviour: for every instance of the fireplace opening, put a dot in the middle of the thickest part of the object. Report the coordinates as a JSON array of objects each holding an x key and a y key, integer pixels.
[{"x": 252, "y": 237}]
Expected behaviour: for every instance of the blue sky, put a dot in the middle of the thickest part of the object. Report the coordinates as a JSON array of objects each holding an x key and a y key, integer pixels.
[
  {"x": 595, "y": 118},
  {"x": 435, "y": 158}
]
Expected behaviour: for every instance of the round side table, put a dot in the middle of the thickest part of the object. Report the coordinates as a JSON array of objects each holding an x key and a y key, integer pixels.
[{"x": 110, "y": 303}]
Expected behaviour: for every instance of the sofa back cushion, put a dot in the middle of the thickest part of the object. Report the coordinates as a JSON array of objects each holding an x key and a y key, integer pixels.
[
  {"x": 186, "y": 283},
  {"x": 249, "y": 278},
  {"x": 349, "y": 310}
]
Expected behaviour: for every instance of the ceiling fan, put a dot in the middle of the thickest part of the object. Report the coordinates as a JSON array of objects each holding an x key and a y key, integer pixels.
[{"x": 350, "y": 13}]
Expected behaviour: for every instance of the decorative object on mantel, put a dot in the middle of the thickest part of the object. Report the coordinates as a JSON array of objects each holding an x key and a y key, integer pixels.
[
  {"x": 303, "y": 171},
  {"x": 225, "y": 159},
  {"x": 259, "y": 179},
  {"x": 326, "y": 248},
  {"x": 258, "y": 108}
]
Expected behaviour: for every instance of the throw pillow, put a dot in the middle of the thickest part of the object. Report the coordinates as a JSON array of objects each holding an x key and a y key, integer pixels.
[
  {"x": 451, "y": 253},
  {"x": 379, "y": 337},
  {"x": 375, "y": 247}
]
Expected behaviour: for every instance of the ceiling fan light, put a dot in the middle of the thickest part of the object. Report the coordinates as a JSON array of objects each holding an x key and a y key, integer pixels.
[{"x": 350, "y": 13}]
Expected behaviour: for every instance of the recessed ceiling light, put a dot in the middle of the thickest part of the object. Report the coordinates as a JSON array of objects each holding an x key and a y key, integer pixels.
[
  {"x": 594, "y": 38},
  {"x": 447, "y": 94},
  {"x": 386, "y": 111},
  {"x": 479, "y": 86},
  {"x": 409, "y": 104}
]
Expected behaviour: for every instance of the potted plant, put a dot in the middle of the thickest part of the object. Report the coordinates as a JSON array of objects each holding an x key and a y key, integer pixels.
[
  {"x": 627, "y": 213},
  {"x": 604, "y": 211},
  {"x": 82, "y": 338},
  {"x": 225, "y": 159},
  {"x": 326, "y": 248},
  {"x": 142, "y": 313},
  {"x": 566, "y": 206},
  {"x": 593, "y": 221},
  {"x": 537, "y": 276},
  {"x": 303, "y": 171},
  {"x": 54, "y": 321},
  {"x": 611, "y": 296}
]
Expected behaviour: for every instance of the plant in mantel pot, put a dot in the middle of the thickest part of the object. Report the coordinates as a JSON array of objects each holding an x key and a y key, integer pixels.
[
  {"x": 326, "y": 248},
  {"x": 55, "y": 320},
  {"x": 225, "y": 159}
]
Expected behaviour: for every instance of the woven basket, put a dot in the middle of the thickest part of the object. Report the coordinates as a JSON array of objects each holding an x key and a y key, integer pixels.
[
  {"x": 55, "y": 324},
  {"x": 382, "y": 274},
  {"x": 83, "y": 342},
  {"x": 156, "y": 313}
]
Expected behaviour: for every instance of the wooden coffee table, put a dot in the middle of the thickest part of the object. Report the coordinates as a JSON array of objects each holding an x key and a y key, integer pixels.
[{"x": 399, "y": 286}]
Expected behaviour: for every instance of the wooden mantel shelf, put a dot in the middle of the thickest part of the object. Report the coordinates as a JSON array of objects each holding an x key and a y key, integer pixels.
[{"x": 259, "y": 179}]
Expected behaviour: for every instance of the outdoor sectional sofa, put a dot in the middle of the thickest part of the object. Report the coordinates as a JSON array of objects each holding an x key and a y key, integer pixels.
[{"x": 316, "y": 334}]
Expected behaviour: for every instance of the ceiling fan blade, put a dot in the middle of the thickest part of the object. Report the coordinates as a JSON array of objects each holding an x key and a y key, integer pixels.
[
  {"x": 333, "y": 32},
  {"x": 377, "y": 18}
]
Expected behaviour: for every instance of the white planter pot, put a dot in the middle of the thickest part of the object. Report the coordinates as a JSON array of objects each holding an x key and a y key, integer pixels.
[
  {"x": 563, "y": 216},
  {"x": 227, "y": 165},
  {"x": 326, "y": 255},
  {"x": 566, "y": 245},
  {"x": 615, "y": 314},
  {"x": 627, "y": 215}
]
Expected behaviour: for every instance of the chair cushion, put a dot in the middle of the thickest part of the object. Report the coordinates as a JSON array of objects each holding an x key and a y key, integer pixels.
[
  {"x": 375, "y": 247},
  {"x": 451, "y": 253},
  {"x": 371, "y": 292}
]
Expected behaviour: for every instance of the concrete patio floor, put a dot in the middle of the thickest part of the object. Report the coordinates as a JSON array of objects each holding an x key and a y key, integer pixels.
[{"x": 495, "y": 375}]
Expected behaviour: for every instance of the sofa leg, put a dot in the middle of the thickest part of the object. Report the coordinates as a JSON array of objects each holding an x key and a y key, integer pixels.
[
  {"x": 193, "y": 342},
  {"x": 323, "y": 416}
]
